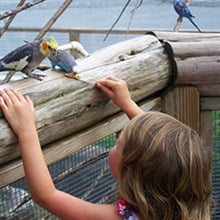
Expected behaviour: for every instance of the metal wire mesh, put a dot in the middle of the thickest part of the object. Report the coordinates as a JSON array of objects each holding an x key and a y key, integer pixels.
[
  {"x": 216, "y": 164},
  {"x": 84, "y": 174}
]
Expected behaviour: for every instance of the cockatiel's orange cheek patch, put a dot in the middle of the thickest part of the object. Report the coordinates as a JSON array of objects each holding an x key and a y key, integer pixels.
[{"x": 44, "y": 46}]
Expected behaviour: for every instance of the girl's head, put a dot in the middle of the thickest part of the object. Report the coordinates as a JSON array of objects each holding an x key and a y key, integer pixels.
[{"x": 164, "y": 169}]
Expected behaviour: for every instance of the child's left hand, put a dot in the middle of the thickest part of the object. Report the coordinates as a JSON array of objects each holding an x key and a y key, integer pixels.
[{"x": 18, "y": 111}]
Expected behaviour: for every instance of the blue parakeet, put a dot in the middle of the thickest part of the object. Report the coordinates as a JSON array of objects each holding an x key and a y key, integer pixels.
[
  {"x": 66, "y": 62},
  {"x": 183, "y": 11}
]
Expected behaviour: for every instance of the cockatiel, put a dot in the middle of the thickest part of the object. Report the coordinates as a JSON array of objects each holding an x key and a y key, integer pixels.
[
  {"x": 66, "y": 62},
  {"x": 182, "y": 10},
  {"x": 28, "y": 57}
]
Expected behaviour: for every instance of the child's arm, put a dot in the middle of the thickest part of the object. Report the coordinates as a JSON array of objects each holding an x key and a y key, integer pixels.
[
  {"x": 19, "y": 112},
  {"x": 117, "y": 90}
]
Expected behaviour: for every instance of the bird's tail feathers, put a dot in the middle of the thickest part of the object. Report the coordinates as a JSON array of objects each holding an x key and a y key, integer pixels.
[{"x": 195, "y": 25}]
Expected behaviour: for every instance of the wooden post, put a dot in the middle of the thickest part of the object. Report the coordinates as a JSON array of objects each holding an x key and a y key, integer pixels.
[
  {"x": 183, "y": 104},
  {"x": 206, "y": 126}
]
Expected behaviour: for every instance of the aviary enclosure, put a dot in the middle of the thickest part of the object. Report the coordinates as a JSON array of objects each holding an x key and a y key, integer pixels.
[
  {"x": 79, "y": 116},
  {"x": 177, "y": 73}
]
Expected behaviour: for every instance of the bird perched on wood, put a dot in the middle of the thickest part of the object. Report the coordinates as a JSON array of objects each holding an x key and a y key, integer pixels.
[
  {"x": 27, "y": 57},
  {"x": 66, "y": 62},
  {"x": 182, "y": 10}
]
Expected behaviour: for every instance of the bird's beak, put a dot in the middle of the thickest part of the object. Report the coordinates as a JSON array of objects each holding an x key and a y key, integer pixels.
[{"x": 54, "y": 52}]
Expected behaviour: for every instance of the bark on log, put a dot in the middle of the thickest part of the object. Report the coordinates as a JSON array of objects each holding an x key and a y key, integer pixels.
[
  {"x": 201, "y": 70},
  {"x": 210, "y": 91},
  {"x": 69, "y": 145},
  {"x": 65, "y": 106},
  {"x": 188, "y": 36},
  {"x": 198, "y": 59}
]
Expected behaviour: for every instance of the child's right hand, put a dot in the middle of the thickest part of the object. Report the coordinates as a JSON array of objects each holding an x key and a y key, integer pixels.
[{"x": 117, "y": 90}]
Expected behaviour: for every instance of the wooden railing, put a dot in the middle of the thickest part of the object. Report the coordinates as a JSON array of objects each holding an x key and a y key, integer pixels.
[
  {"x": 75, "y": 33},
  {"x": 73, "y": 114}
]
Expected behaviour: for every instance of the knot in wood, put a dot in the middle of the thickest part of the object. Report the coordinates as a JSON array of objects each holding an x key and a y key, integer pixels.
[{"x": 123, "y": 57}]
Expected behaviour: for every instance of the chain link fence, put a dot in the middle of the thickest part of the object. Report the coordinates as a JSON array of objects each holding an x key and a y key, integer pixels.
[
  {"x": 216, "y": 163},
  {"x": 84, "y": 174}
]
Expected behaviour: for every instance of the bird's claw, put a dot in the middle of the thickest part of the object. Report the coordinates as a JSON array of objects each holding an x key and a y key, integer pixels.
[
  {"x": 73, "y": 76},
  {"x": 37, "y": 76}
]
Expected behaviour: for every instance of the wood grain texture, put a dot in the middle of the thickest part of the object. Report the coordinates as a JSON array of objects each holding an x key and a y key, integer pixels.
[
  {"x": 64, "y": 147},
  {"x": 65, "y": 106}
]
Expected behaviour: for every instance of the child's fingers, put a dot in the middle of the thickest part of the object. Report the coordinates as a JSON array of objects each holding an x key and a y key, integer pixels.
[
  {"x": 12, "y": 96},
  {"x": 109, "y": 80},
  {"x": 29, "y": 101},
  {"x": 6, "y": 97},
  {"x": 21, "y": 98},
  {"x": 112, "y": 78},
  {"x": 16, "y": 95},
  {"x": 2, "y": 104},
  {"x": 107, "y": 83},
  {"x": 105, "y": 89}
]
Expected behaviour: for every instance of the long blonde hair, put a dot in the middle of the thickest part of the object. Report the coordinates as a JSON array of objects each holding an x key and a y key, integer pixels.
[{"x": 165, "y": 171}]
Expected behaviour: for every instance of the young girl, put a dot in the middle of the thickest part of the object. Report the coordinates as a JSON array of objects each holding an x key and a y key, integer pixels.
[{"x": 162, "y": 167}]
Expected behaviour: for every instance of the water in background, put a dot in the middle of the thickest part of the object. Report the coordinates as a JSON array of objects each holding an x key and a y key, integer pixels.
[{"x": 101, "y": 14}]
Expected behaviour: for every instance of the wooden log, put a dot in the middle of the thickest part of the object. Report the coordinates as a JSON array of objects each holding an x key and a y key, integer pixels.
[
  {"x": 198, "y": 70},
  {"x": 206, "y": 126},
  {"x": 198, "y": 63},
  {"x": 188, "y": 49},
  {"x": 65, "y": 106},
  {"x": 187, "y": 36},
  {"x": 68, "y": 145},
  {"x": 210, "y": 103},
  {"x": 209, "y": 91},
  {"x": 197, "y": 56}
]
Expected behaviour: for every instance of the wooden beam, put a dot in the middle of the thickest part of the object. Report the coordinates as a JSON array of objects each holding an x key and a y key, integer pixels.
[
  {"x": 206, "y": 90},
  {"x": 183, "y": 103},
  {"x": 65, "y": 106},
  {"x": 198, "y": 70},
  {"x": 206, "y": 126},
  {"x": 64, "y": 147},
  {"x": 210, "y": 103},
  {"x": 194, "y": 48}
]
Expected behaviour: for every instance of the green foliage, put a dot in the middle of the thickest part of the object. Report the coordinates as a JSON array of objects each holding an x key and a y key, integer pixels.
[{"x": 107, "y": 142}]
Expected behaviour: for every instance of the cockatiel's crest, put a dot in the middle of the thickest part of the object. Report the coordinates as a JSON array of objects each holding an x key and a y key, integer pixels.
[{"x": 48, "y": 46}]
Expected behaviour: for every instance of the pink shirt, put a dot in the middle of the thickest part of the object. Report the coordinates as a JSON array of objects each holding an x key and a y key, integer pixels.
[{"x": 122, "y": 208}]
